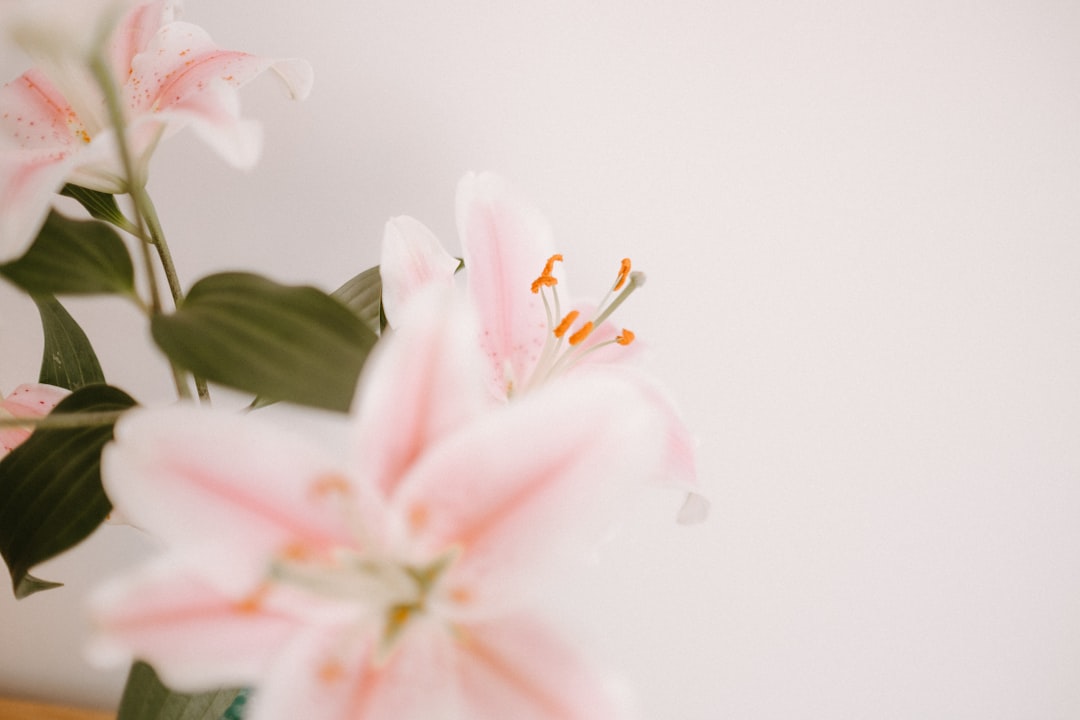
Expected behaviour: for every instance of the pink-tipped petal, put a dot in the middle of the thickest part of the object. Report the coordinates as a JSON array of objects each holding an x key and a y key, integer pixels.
[
  {"x": 417, "y": 387},
  {"x": 205, "y": 480},
  {"x": 517, "y": 668},
  {"x": 525, "y": 488},
  {"x": 30, "y": 400},
  {"x": 338, "y": 677},
  {"x": 195, "y": 637},
  {"x": 505, "y": 245},
  {"x": 135, "y": 31},
  {"x": 412, "y": 260},
  {"x": 33, "y": 399},
  {"x": 182, "y": 77},
  {"x": 39, "y": 133}
]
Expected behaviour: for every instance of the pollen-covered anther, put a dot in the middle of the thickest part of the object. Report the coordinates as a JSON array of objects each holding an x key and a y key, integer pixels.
[
  {"x": 253, "y": 602},
  {"x": 546, "y": 279},
  {"x": 624, "y": 272},
  {"x": 330, "y": 484},
  {"x": 330, "y": 672},
  {"x": 419, "y": 515},
  {"x": 566, "y": 322},
  {"x": 583, "y": 332},
  {"x": 625, "y": 337}
]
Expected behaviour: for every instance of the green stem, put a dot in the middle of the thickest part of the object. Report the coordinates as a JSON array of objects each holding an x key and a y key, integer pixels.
[
  {"x": 157, "y": 238},
  {"x": 62, "y": 421},
  {"x": 100, "y": 69}
]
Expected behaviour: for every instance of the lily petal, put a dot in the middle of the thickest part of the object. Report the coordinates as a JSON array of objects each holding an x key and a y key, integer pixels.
[
  {"x": 29, "y": 400},
  {"x": 183, "y": 76},
  {"x": 418, "y": 388},
  {"x": 412, "y": 260},
  {"x": 208, "y": 480},
  {"x": 328, "y": 675},
  {"x": 526, "y": 488},
  {"x": 505, "y": 245},
  {"x": 194, "y": 636},
  {"x": 516, "y": 668}
]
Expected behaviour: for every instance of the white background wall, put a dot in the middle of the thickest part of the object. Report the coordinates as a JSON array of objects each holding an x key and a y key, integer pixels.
[{"x": 860, "y": 225}]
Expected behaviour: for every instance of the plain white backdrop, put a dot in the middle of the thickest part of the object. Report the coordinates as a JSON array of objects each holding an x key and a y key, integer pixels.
[{"x": 860, "y": 223}]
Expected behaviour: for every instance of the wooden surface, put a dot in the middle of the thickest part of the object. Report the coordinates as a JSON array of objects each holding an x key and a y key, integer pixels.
[{"x": 23, "y": 710}]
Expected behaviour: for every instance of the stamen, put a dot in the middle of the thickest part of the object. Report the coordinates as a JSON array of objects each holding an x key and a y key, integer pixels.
[
  {"x": 542, "y": 282},
  {"x": 253, "y": 602},
  {"x": 461, "y": 596},
  {"x": 546, "y": 279},
  {"x": 624, "y": 272},
  {"x": 329, "y": 484},
  {"x": 549, "y": 266},
  {"x": 625, "y": 338},
  {"x": 583, "y": 332},
  {"x": 567, "y": 321},
  {"x": 418, "y": 517},
  {"x": 330, "y": 672}
]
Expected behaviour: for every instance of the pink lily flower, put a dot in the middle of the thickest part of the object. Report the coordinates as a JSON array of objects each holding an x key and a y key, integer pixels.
[
  {"x": 54, "y": 126},
  {"x": 32, "y": 400},
  {"x": 393, "y": 583},
  {"x": 531, "y": 333}
]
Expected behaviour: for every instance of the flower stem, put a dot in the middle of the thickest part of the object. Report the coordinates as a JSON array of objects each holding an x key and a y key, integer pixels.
[
  {"x": 99, "y": 67},
  {"x": 62, "y": 421},
  {"x": 156, "y": 237}
]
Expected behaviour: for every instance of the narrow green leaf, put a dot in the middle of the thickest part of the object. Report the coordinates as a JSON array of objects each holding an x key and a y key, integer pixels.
[
  {"x": 147, "y": 698},
  {"x": 50, "y": 487},
  {"x": 68, "y": 360},
  {"x": 100, "y": 205},
  {"x": 363, "y": 295},
  {"x": 73, "y": 257},
  {"x": 278, "y": 342}
]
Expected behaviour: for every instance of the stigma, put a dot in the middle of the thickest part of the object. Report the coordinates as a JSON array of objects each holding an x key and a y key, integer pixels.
[{"x": 568, "y": 338}]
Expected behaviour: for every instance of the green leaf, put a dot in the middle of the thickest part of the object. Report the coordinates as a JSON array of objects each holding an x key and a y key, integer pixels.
[
  {"x": 147, "y": 698},
  {"x": 275, "y": 341},
  {"x": 100, "y": 205},
  {"x": 363, "y": 295},
  {"x": 73, "y": 257},
  {"x": 50, "y": 487},
  {"x": 68, "y": 360}
]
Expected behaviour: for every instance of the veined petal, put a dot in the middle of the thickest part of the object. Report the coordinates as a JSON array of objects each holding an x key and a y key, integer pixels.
[
  {"x": 204, "y": 480},
  {"x": 528, "y": 486},
  {"x": 135, "y": 32},
  {"x": 30, "y": 400},
  {"x": 33, "y": 400},
  {"x": 516, "y": 668},
  {"x": 214, "y": 115},
  {"x": 27, "y": 183},
  {"x": 420, "y": 384},
  {"x": 677, "y": 463},
  {"x": 505, "y": 245},
  {"x": 338, "y": 677},
  {"x": 412, "y": 260},
  {"x": 195, "y": 637}
]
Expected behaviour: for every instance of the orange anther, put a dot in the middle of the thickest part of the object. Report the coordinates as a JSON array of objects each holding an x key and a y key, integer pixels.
[
  {"x": 542, "y": 281},
  {"x": 546, "y": 279},
  {"x": 624, "y": 272},
  {"x": 418, "y": 517},
  {"x": 331, "y": 671},
  {"x": 625, "y": 338},
  {"x": 296, "y": 552},
  {"x": 567, "y": 321},
  {"x": 328, "y": 484},
  {"x": 253, "y": 602},
  {"x": 550, "y": 264},
  {"x": 583, "y": 332}
]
